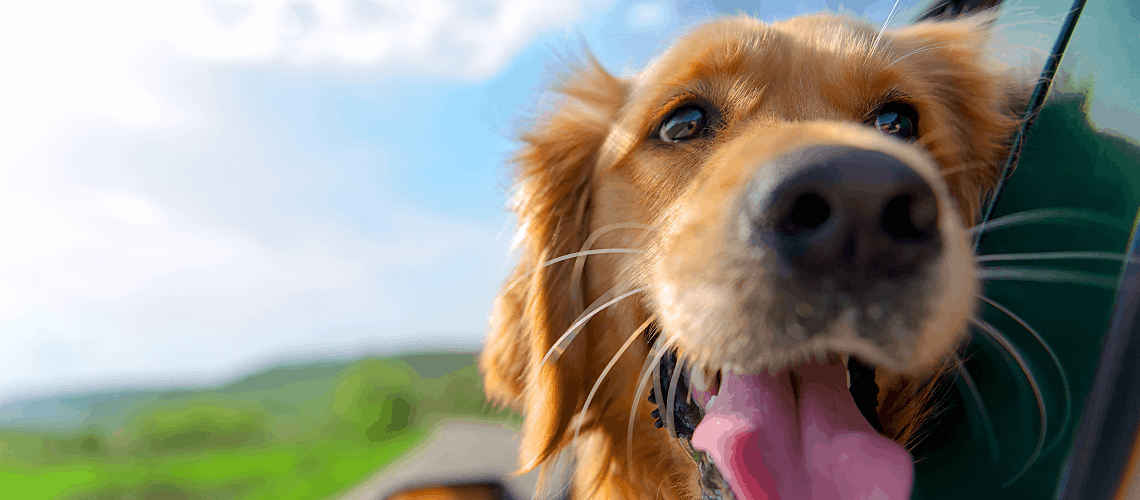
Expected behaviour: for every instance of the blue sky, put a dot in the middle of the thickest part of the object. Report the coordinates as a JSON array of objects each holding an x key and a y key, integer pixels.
[{"x": 196, "y": 188}]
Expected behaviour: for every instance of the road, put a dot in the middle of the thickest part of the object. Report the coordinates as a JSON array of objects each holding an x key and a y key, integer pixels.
[{"x": 456, "y": 452}]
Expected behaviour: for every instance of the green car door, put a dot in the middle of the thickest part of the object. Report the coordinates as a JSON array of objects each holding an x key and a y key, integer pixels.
[{"x": 1052, "y": 251}]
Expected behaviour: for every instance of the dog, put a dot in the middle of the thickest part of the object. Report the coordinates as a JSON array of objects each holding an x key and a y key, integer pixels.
[{"x": 766, "y": 232}]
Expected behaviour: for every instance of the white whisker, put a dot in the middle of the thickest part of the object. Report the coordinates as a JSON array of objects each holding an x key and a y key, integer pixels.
[
  {"x": 657, "y": 384},
  {"x": 1047, "y": 276},
  {"x": 1008, "y": 347},
  {"x": 916, "y": 51},
  {"x": 647, "y": 370},
  {"x": 976, "y": 395},
  {"x": 1049, "y": 215},
  {"x": 1111, "y": 256},
  {"x": 580, "y": 262},
  {"x": 671, "y": 400},
  {"x": 662, "y": 483},
  {"x": 606, "y": 371},
  {"x": 564, "y": 341},
  {"x": 885, "y": 23},
  {"x": 598, "y": 383},
  {"x": 1056, "y": 363},
  {"x": 568, "y": 256}
]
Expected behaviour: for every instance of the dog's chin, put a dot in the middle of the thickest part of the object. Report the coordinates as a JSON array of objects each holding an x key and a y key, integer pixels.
[
  {"x": 794, "y": 345},
  {"x": 782, "y": 422},
  {"x": 784, "y": 335},
  {"x": 794, "y": 433},
  {"x": 778, "y": 415}
]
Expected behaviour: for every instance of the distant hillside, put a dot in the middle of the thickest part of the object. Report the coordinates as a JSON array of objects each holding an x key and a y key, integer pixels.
[
  {"x": 111, "y": 408},
  {"x": 303, "y": 431}
]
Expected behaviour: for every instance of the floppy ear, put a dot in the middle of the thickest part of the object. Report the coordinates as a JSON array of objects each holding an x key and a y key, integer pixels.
[
  {"x": 535, "y": 307},
  {"x": 987, "y": 98}
]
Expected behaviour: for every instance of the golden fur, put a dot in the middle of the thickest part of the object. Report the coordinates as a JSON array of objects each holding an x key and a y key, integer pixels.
[{"x": 589, "y": 176}]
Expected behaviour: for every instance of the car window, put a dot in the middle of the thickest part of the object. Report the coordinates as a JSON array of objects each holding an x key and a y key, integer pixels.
[{"x": 1051, "y": 256}]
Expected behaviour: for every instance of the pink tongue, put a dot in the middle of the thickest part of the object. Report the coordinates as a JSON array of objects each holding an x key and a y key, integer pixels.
[{"x": 769, "y": 445}]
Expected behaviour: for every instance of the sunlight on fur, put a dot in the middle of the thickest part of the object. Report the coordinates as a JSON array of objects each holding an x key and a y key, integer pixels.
[{"x": 719, "y": 199}]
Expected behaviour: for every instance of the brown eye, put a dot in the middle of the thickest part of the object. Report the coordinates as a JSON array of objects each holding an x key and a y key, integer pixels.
[
  {"x": 899, "y": 120},
  {"x": 683, "y": 124}
]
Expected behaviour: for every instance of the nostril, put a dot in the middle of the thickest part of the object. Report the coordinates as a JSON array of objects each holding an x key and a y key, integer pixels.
[
  {"x": 910, "y": 218},
  {"x": 808, "y": 213},
  {"x": 848, "y": 213}
]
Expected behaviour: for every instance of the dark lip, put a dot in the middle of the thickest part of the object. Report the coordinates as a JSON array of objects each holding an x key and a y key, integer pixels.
[{"x": 831, "y": 300}]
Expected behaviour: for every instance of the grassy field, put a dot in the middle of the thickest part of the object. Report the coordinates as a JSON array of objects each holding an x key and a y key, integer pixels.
[{"x": 292, "y": 432}]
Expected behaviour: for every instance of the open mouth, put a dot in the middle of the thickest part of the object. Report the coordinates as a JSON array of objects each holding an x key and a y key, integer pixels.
[{"x": 795, "y": 434}]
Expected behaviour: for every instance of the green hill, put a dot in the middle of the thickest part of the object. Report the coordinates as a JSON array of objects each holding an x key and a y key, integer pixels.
[{"x": 303, "y": 431}]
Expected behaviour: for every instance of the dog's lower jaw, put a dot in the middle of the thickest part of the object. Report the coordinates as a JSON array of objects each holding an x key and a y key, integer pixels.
[
  {"x": 800, "y": 435},
  {"x": 858, "y": 461},
  {"x": 712, "y": 483}
]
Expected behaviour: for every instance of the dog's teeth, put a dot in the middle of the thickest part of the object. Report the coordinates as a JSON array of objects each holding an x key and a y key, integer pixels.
[
  {"x": 804, "y": 310},
  {"x": 709, "y": 405},
  {"x": 698, "y": 381},
  {"x": 744, "y": 227},
  {"x": 875, "y": 312},
  {"x": 796, "y": 331}
]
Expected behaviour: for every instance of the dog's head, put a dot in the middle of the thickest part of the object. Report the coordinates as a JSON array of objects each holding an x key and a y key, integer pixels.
[{"x": 772, "y": 199}]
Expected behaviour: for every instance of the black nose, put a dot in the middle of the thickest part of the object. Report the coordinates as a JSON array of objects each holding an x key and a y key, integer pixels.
[{"x": 853, "y": 213}]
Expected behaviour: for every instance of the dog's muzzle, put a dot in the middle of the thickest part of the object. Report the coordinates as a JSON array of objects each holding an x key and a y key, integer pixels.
[
  {"x": 850, "y": 215},
  {"x": 850, "y": 232},
  {"x": 849, "y": 236},
  {"x": 853, "y": 215}
]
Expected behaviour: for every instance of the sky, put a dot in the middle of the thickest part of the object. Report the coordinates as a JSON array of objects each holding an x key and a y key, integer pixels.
[{"x": 193, "y": 189}]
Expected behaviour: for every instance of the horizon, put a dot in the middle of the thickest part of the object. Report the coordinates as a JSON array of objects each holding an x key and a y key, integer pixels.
[
  {"x": 14, "y": 405},
  {"x": 199, "y": 188}
]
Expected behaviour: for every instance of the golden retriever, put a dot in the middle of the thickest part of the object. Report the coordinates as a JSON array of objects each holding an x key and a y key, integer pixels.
[{"x": 765, "y": 232}]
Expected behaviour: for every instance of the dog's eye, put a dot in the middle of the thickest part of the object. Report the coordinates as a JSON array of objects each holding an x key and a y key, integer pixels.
[
  {"x": 899, "y": 120},
  {"x": 683, "y": 124}
]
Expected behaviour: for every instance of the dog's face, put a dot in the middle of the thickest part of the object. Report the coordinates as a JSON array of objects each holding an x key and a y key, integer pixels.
[{"x": 783, "y": 196}]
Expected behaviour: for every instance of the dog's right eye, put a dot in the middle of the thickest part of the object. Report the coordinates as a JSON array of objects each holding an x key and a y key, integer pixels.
[
  {"x": 899, "y": 120},
  {"x": 683, "y": 124}
]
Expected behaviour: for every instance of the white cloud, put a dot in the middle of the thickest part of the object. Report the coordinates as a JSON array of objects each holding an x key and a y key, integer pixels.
[
  {"x": 130, "y": 208},
  {"x": 103, "y": 56},
  {"x": 456, "y": 38},
  {"x": 464, "y": 38},
  {"x": 100, "y": 284},
  {"x": 147, "y": 230}
]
